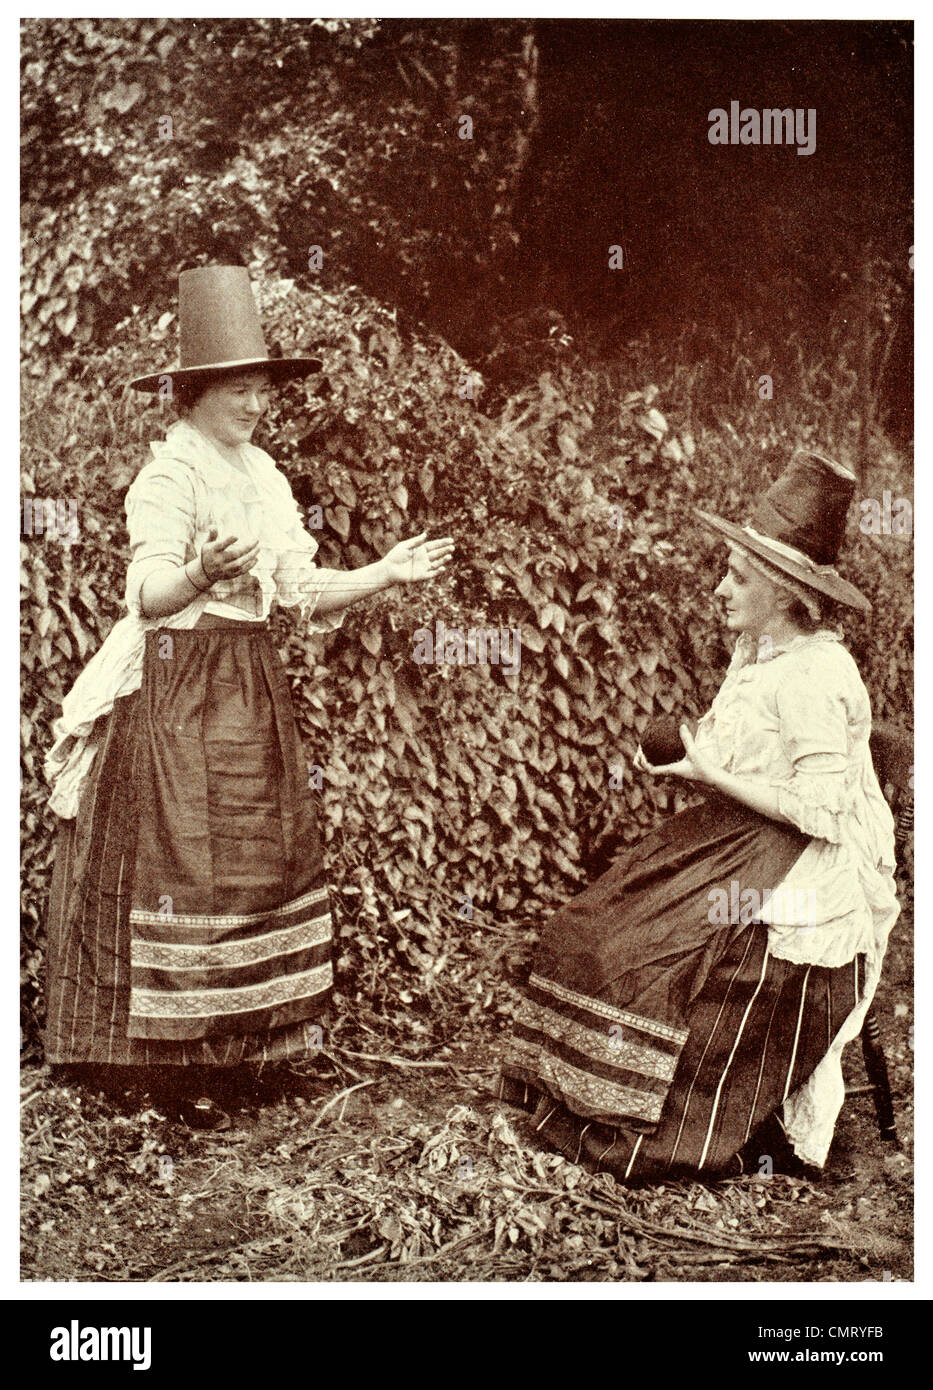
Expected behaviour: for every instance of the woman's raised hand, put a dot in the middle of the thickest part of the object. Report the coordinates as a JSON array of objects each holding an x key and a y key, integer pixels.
[
  {"x": 693, "y": 766},
  {"x": 227, "y": 558},
  {"x": 417, "y": 559}
]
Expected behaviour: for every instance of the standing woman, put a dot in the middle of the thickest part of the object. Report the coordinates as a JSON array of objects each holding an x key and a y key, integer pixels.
[
  {"x": 698, "y": 995},
  {"x": 189, "y": 926}
]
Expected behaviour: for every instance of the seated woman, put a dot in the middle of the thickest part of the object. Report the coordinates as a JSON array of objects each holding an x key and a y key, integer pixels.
[{"x": 694, "y": 1001}]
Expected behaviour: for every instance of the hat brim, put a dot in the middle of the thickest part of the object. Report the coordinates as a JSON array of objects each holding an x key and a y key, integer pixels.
[
  {"x": 279, "y": 369},
  {"x": 832, "y": 584}
]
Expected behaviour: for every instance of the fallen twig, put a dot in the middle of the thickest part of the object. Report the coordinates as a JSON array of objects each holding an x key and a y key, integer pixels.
[
  {"x": 339, "y": 1096},
  {"x": 221, "y": 1252},
  {"x": 343, "y": 1065},
  {"x": 444, "y": 1249},
  {"x": 195, "y": 1196},
  {"x": 408, "y": 1061},
  {"x": 689, "y": 1258},
  {"x": 362, "y": 1259},
  {"x": 391, "y": 1061},
  {"x": 702, "y": 1235},
  {"x": 39, "y": 1130}
]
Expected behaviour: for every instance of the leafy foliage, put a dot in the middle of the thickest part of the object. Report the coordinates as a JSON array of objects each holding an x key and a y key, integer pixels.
[
  {"x": 144, "y": 150},
  {"x": 457, "y": 799}
]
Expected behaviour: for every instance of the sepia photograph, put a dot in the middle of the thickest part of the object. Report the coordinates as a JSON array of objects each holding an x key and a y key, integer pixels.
[{"x": 467, "y": 660}]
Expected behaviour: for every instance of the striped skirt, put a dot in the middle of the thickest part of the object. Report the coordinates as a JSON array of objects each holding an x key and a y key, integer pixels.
[
  {"x": 651, "y": 1041},
  {"x": 188, "y": 918}
]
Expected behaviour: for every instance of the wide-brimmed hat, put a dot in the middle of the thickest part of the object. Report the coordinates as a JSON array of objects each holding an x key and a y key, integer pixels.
[
  {"x": 219, "y": 331},
  {"x": 799, "y": 524}
]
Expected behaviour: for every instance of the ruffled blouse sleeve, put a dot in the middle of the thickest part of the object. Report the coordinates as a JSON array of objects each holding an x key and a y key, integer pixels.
[
  {"x": 814, "y": 733},
  {"x": 160, "y": 517},
  {"x": 299, "y": 582}
]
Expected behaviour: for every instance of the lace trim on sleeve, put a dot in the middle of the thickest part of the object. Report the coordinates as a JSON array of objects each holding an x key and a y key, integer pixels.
[
  {"x": 299, "y": 582},
  {"x": 815, "y": 801},
  {"x": 312, "y": 586}
]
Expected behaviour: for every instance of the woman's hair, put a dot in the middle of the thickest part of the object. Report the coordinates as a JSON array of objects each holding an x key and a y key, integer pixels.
[
  {"x": 802, "y": 617},
  {"x": 188, "y": 391}
]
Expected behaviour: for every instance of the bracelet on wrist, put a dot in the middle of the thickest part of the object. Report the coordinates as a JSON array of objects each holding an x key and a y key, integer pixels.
[
  {"x": 199, "y": 561},
  {"x": 195, "y": 586}
]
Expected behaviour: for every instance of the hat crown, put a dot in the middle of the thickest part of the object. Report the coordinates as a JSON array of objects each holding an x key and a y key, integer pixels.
[
  {"x": 807, "y": 507},
  {"x": 219, "y": 332},
  {"x": 217, "y": 317}
]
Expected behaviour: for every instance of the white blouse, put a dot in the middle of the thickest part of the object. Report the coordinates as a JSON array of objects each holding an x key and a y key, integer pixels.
[
  {"x": 176, "y": 498},
  {"x": 797, "y": 719},
  {"x": 187, "y": 488}
]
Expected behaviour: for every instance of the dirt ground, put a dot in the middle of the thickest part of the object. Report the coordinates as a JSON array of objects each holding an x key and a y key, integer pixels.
[{"x": 392, "y": 1165}]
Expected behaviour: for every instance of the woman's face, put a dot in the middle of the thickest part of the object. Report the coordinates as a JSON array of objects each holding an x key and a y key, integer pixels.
[
  {"x": 229, "y": 411},
  {"x": 753, "y": 604}
]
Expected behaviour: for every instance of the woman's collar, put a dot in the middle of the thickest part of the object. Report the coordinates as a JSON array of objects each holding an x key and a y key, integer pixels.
[
  {"x": 755, "y": 650},
  {"x": 185, "y": 441}
]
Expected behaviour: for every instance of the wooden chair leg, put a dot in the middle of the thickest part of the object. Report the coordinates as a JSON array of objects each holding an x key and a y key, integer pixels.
[{"x": 877, "y": 1069}]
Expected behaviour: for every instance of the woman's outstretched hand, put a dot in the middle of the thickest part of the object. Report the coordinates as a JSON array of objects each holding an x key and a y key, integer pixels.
[
  {"x": 417, "y": 559},
  {"x": 693, "y": 765}
]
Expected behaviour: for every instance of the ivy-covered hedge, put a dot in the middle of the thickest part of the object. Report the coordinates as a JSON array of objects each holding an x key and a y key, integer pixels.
[
  {"x": 148, "y": 144},
  {"x": 458, "y": 800}
]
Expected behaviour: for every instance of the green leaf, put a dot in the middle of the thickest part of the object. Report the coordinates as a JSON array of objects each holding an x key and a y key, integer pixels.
[
  {"x": 371, "y": 638},
  {"x": 344, "y": 491},
  {"x": 553, "y": 615},
  {"x": 561, "y": 664},
  {"x": 339, "y": 519},
  {"x": 560, "y": 700}
]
